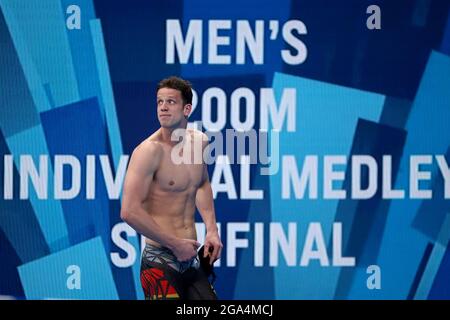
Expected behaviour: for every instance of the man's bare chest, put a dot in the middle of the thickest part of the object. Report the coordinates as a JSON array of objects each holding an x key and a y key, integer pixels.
[{"x": 178, "y": 178}]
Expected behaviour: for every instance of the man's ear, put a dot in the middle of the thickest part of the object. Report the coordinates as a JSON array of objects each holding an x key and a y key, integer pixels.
[{"x": 187, "y": 110}]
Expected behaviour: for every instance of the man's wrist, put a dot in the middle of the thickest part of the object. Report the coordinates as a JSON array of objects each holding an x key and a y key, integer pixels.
[{"x": 212, "y": 229}]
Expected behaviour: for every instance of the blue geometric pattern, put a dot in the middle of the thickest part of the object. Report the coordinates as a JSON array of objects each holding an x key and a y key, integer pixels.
[
  {"x": 426, "y": 124},
  {"x": 316, "y": 135},
  {"x": 49, "y": 276}
]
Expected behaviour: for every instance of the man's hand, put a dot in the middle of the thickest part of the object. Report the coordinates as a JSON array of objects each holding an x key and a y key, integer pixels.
[
  {"x": 185, "y": 249},
  {"x": 213, "y": 246}
]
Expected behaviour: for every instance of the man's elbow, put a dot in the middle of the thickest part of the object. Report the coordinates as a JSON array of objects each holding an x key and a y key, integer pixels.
[{"x": 126, "y": 214}]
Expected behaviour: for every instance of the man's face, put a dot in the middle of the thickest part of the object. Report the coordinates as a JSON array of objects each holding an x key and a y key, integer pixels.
[{"x": 171, "y": 108}]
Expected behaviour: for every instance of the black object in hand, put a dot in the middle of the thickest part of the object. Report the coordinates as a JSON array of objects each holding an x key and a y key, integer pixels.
[{"x": 204, "y": 263}]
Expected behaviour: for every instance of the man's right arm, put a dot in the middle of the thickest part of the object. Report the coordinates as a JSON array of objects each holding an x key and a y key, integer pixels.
[{"x": 143, "y": 164}]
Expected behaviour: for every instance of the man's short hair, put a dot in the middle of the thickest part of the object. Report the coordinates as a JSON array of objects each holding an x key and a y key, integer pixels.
[{"x": 184, "y": 86}]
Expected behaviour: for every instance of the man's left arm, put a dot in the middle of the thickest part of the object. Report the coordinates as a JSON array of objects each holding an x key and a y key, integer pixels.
[{"x": 205, "y": 205}]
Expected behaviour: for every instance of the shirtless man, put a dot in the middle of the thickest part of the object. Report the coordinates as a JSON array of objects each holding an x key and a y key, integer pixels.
[{"x": 159, "y": 200}]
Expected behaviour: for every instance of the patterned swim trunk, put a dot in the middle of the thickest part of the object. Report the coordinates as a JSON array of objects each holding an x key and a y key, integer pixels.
[{"x": 164, "y": 277}]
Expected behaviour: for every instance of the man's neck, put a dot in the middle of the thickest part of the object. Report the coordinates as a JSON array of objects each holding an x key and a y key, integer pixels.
[{"x": 166, "y": 135}]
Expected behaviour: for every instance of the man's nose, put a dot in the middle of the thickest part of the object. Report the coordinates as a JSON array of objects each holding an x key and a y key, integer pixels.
[{"x": 163, "y": 105}]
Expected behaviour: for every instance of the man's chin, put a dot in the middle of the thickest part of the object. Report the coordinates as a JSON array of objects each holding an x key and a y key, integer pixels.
[{"x": 167, "y": 126}]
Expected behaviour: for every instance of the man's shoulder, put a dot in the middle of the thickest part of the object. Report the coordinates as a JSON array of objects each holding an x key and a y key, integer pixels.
[{"x": 149, "y": 147}]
